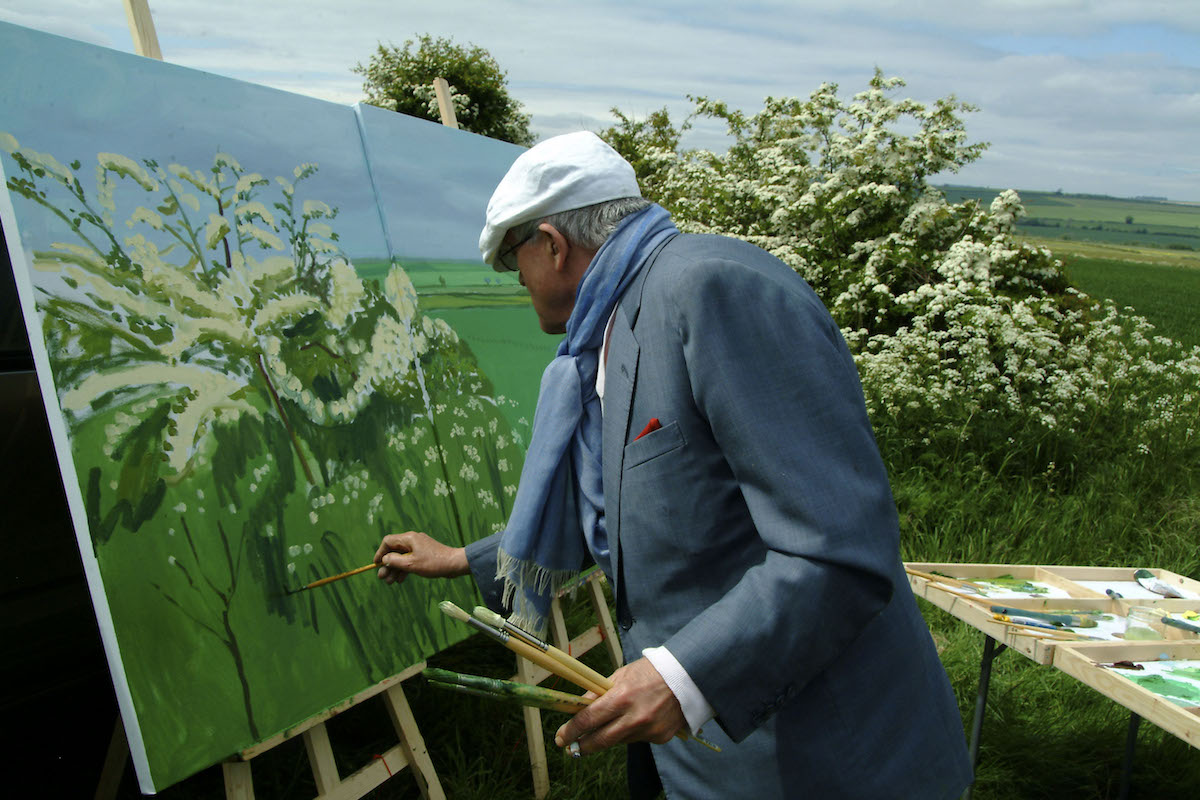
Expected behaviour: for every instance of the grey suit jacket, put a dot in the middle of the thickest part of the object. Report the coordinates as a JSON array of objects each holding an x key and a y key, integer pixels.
[{"x": 755, "y": 535}]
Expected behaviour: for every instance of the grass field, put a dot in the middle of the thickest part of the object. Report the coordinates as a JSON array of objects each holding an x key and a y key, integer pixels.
[
  {"x": 1045, "y": 734},
  {"x": 1159, "y": 284},
  {"x": 1156, "y": 291},
  {"x": 1110, "y": 220}
]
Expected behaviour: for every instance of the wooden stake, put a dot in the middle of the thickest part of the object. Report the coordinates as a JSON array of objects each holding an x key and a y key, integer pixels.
[
  {"x": 445, "y": 105},
  {"x": 141, "y": 27}
]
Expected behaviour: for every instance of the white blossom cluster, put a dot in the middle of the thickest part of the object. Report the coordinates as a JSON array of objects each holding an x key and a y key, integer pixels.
[
  {"x": 961, "y": 333},
  {"x": 207, "y": 277}
]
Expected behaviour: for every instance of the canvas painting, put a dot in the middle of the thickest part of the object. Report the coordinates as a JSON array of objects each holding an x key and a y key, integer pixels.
[
  {"x": 433, "y": 211},
  {"x": 252, "y": 374}
]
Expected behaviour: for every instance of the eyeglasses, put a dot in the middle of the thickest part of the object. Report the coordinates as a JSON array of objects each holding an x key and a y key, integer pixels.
[{"x": 508, "y": 259}]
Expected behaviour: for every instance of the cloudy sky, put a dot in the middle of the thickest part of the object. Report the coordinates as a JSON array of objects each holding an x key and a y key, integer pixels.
[{"x": 1097, "y": 96}]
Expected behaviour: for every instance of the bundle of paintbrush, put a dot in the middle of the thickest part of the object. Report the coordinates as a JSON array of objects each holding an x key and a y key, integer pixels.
[
  {"x": 544, "y": 655},
  {"x": 506, "y": 691}
]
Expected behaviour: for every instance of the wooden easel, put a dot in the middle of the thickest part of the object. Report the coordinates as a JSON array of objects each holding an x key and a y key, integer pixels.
[
  {"x": 409, "y": 752},
  {"x": 528, "y": 672}
]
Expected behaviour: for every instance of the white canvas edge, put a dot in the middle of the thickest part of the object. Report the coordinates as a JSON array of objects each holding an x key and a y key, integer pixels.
[{"x": 22, "y": 269}]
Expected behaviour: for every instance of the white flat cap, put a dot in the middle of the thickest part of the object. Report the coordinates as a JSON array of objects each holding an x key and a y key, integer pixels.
[{"x": 560, "y": 174}]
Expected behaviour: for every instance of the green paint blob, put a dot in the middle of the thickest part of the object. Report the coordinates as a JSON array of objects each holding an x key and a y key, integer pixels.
[
  {"x": 1011, "y": 584},
  {"x": 1178, "y": 692}
]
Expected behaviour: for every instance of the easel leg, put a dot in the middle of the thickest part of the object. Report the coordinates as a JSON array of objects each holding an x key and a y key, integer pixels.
[
  {"x": 413, "y": 744},
  {"x": 533, "y": 735},
  {"x": 114, "y": 764},
  {"x": 600, "y": 606},
  {"x": 320, "y": 757},
  {"x": 990, "y": 651},
  {"x": 239, "y": 785},
  {"x": 558, "y": 627},
  {"x": 1127, "y": 766}
]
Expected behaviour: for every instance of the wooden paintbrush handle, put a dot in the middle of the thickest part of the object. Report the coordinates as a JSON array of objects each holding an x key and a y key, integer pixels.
[
  {"x": 333, "y": 578},
  {"x": 549, "y": 662},
  {"x": 580, "y": 667}
]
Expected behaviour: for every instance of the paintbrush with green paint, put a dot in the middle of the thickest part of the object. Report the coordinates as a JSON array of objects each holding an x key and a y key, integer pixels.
[
  {"x": 1064, "y": 618},
  {"x": 506, "y": 691},
  {"x": 568, "y": 669}
]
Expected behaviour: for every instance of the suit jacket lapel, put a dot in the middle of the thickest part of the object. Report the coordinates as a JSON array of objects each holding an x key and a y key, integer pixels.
[
  {"x": 621, "y": 377},
  {"x": 620, "y": 380}
]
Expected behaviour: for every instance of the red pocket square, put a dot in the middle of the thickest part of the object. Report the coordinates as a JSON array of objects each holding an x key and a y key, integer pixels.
[{"x": 651, "y": 427}]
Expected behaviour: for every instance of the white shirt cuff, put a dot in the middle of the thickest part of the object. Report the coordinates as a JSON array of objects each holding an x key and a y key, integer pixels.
[{"x": 696, "y": 710}]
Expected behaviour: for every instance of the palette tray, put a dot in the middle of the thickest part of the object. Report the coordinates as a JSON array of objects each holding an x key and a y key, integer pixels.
[
  {"x": 975, "y": 593},
  {"x": 1160, "y": 681}
]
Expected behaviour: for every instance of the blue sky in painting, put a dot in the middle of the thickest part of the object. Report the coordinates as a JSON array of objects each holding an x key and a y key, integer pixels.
[
  {"x": 433, "y": 183},
  {"x": 1085, "y": 95},
  {"x": 74, "y": 101}
]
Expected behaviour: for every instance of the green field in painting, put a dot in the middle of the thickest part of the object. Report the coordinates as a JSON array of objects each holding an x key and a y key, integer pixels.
[
  {"x": 429, "y": 275},
  {"x": 511, "y": 350},
  {"x": 491, "y": 312},
  {"x": 1094, "y": 218},
  {"x": 232, "y": 647}
]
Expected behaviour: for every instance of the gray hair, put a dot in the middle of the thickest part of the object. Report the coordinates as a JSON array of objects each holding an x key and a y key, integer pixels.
[{"x": 587, "y": 227}]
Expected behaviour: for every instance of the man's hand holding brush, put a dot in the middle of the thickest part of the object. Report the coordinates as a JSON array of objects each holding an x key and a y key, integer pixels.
[
  {"x": 639, "y": 707},
  {"x": 420, "y": 554}
]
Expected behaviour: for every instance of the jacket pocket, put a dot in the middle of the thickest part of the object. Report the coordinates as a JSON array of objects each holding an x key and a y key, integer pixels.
[{"x": 652, "y": 445}]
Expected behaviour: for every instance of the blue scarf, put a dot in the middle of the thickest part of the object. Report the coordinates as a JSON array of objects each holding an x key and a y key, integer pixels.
[{"x": 559, "y": 507}]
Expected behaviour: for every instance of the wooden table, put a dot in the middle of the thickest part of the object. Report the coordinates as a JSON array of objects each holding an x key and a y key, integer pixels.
[{"x": 1119, "y": 669}]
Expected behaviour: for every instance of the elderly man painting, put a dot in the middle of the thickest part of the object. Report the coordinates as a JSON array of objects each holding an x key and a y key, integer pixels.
[{"x": 701, "y": 436}]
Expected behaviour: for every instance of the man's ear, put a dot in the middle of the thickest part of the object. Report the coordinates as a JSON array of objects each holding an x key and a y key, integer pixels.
[{"x": 559, "y": 246}]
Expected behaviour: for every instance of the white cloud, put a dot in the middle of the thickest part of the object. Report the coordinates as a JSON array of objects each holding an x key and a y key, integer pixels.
[{"x": 1068, "y": 93}]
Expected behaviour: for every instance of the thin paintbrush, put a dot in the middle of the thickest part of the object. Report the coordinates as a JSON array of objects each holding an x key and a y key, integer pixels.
[
  {"x": 566, "y": 708},
  {"x": 1048, "y": 631},
  {"x": 945, "y": 580},
  {"x": 333, "y": 578}
]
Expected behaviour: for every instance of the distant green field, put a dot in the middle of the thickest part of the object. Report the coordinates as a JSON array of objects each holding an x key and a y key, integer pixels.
[
  {"x": 1168, "y": 296},
  {"x": 1091, "y": 218}
]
